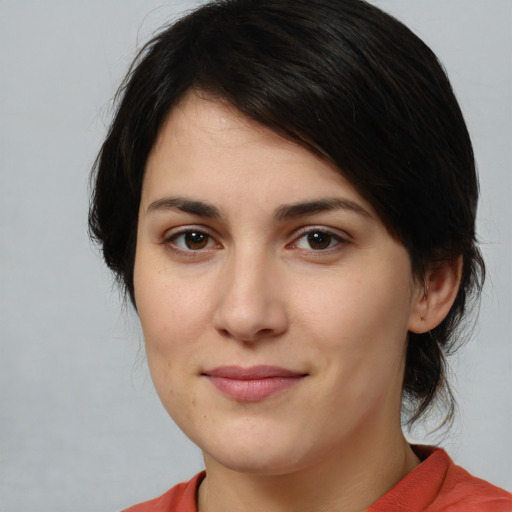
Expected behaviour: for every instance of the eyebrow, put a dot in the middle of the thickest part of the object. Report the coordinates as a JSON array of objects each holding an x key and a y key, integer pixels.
[
  {"x": 284, "y": 212},
  {"x": 304, "y": 208},
  {"x": 200, "y": 208}
]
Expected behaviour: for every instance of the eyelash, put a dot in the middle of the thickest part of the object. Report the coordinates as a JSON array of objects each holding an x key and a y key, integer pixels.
[
  {"x": 333, "y": 241},
  {"x": 171, "y": 239}
]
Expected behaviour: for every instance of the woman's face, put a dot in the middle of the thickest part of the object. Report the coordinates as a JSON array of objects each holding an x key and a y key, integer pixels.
[{"x": 274, "y": 303}]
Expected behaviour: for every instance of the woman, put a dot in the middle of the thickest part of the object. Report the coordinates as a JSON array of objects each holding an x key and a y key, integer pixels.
[{"x": 288, "y": 195}]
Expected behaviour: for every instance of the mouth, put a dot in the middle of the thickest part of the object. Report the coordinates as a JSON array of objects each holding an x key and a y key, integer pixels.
[{"x": 254, "y": 383}]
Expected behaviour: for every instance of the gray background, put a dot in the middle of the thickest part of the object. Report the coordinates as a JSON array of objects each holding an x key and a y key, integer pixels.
[{"x": 80, "y": 426}]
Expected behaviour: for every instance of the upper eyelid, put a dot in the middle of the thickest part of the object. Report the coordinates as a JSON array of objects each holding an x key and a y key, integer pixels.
[
  {"x": 173, "y": 233},
  {"x": 169, "y": 242},
  {"x": 341, "y": 234},
  {"x": 178, "y": 230},
  {"x": 342, "y": 241}
]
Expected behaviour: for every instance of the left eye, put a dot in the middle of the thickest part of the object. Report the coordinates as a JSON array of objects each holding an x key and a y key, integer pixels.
[
  {"x": 317, "y": 241},
  {"x": 192, "y": 240}
]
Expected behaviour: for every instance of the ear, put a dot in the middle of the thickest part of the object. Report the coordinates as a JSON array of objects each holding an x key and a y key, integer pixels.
[{"x": 436, "y": 296}]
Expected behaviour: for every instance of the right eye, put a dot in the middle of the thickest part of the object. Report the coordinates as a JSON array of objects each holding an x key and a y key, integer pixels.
[{"x": 191, "y": 240}]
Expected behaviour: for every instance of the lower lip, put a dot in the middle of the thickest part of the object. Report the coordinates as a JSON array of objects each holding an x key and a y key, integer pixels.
[{"x": 252, "y": 390}]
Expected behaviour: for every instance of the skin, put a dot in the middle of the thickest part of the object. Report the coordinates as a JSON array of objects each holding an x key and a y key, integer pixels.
[{"x": 251, "y": 289}]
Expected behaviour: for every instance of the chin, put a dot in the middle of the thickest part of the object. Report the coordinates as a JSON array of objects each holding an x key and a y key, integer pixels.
[
  {"x": 255, "y": 462},
  {"x": 257, "y": 454}
]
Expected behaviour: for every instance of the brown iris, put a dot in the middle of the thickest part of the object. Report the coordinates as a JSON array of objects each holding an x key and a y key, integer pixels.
[
  {"x": 195, "y": 240},
  {"x": 319, "y": 241}
]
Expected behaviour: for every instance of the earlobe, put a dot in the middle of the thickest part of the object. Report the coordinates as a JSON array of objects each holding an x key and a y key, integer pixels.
[{"x": 436, "y": 299}]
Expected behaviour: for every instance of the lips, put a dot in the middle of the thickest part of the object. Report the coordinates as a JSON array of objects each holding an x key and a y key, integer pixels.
[{"x": 254, "y": 383}]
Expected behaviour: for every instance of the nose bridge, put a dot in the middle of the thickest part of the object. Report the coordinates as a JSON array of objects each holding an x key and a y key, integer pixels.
[{"x": 250, "y": 305}]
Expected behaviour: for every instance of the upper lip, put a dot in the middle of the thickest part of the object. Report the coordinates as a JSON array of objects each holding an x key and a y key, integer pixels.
[{"x": 252, "y": 372}]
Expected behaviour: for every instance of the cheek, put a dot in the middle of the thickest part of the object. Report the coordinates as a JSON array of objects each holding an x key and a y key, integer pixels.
[
  {"x": 360, "y": 327},
  {"x": 170, "y": 316},
  {"x": 167, "y": 301},
  {"x": 360, "y": 309},
  {"x": 172, "y": 325}
]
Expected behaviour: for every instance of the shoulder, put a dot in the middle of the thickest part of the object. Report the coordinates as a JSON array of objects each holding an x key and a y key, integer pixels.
[
  {"x": 461, "y": 489},
  {"x": 439, "y": 485},
  {"x": 180, "y": 498}
]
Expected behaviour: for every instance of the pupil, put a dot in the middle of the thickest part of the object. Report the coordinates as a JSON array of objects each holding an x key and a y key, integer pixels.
[
  {"x": 319, "y": 240},
  {"x": 196, "y": 240}
]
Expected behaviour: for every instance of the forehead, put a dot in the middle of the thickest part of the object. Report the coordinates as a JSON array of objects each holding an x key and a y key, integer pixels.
[
  {"x": 207, "y": 147},
  {"x": 202, "y": 121}
]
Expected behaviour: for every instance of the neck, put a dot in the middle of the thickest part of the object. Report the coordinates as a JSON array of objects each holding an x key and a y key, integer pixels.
[{"x": 350, "y": 479}]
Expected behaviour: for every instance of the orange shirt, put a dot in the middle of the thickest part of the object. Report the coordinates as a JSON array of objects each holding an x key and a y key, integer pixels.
[{"x": 436, "y": 485}]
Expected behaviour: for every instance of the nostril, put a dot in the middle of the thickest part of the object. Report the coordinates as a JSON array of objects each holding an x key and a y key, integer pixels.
[
  {"x": 246, "y": 336},
  {"x": 224, "y": 333}
]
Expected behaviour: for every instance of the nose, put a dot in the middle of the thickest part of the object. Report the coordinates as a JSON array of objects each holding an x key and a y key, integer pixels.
[{"x": 251, "y": 303}]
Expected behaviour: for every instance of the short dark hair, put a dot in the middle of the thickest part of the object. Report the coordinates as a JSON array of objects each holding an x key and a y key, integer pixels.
[{"x": 348, "y": 82}]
